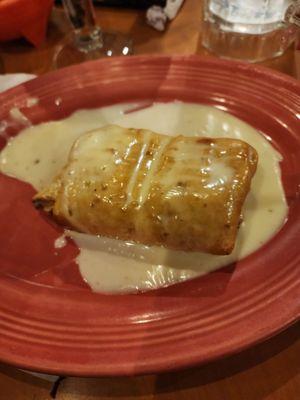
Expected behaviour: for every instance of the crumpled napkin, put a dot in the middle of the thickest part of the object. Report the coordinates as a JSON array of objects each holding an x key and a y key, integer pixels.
[{"x": 157, "y": 16}]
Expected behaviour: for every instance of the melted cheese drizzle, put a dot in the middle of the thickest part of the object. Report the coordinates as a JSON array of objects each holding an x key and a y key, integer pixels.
[
  {"x": 132, "y": 180},
  {"x": 108, "y": 265},
  {"x": 152, "y": 167}
]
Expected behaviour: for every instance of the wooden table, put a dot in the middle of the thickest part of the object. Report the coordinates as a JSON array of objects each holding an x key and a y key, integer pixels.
[{"x": 269, "y": 371}]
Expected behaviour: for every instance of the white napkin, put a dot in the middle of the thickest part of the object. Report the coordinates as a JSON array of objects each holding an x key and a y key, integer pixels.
[
  {"x": 157, "y": 16},
  {"x": 8, "y": 81}
]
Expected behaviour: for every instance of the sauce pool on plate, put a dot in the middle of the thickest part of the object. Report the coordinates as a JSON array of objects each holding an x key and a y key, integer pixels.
[{"x": 39, "y": 152}]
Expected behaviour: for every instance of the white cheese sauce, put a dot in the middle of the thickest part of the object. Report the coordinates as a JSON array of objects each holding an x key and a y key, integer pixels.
[
  {"x": 39, "y": 152},
  {"x": 60, "y": 242},
  {"x": 16, "y": 115}
]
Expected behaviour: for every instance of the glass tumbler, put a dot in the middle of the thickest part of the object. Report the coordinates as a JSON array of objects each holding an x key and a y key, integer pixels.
[{"x": 250, "y": 30}]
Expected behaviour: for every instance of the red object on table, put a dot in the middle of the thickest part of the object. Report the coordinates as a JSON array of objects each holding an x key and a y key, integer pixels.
[{"x": 27, "y": 18}]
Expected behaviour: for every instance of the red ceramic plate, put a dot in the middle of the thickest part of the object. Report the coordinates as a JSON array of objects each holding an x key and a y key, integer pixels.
[{"x": 50, "y": 321}]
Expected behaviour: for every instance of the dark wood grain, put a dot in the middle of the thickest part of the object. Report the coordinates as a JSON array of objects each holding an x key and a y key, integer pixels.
[{"x": 269, "y": 371}]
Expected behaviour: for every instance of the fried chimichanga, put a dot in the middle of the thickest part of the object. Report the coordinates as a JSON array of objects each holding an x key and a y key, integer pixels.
[{"x": 185, "y": 193}]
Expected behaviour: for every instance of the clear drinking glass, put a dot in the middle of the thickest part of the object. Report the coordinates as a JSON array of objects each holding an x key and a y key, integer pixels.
[
  {"x": 251, "y": 30},
  {"x": 87, "y": 41}
]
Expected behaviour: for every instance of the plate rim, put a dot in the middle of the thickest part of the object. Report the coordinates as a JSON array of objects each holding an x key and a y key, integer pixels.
[{"x": 142, "y": 370}]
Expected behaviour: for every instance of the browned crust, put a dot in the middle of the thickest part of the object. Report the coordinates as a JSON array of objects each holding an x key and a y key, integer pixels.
[{"x": 217, "y": 238}]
